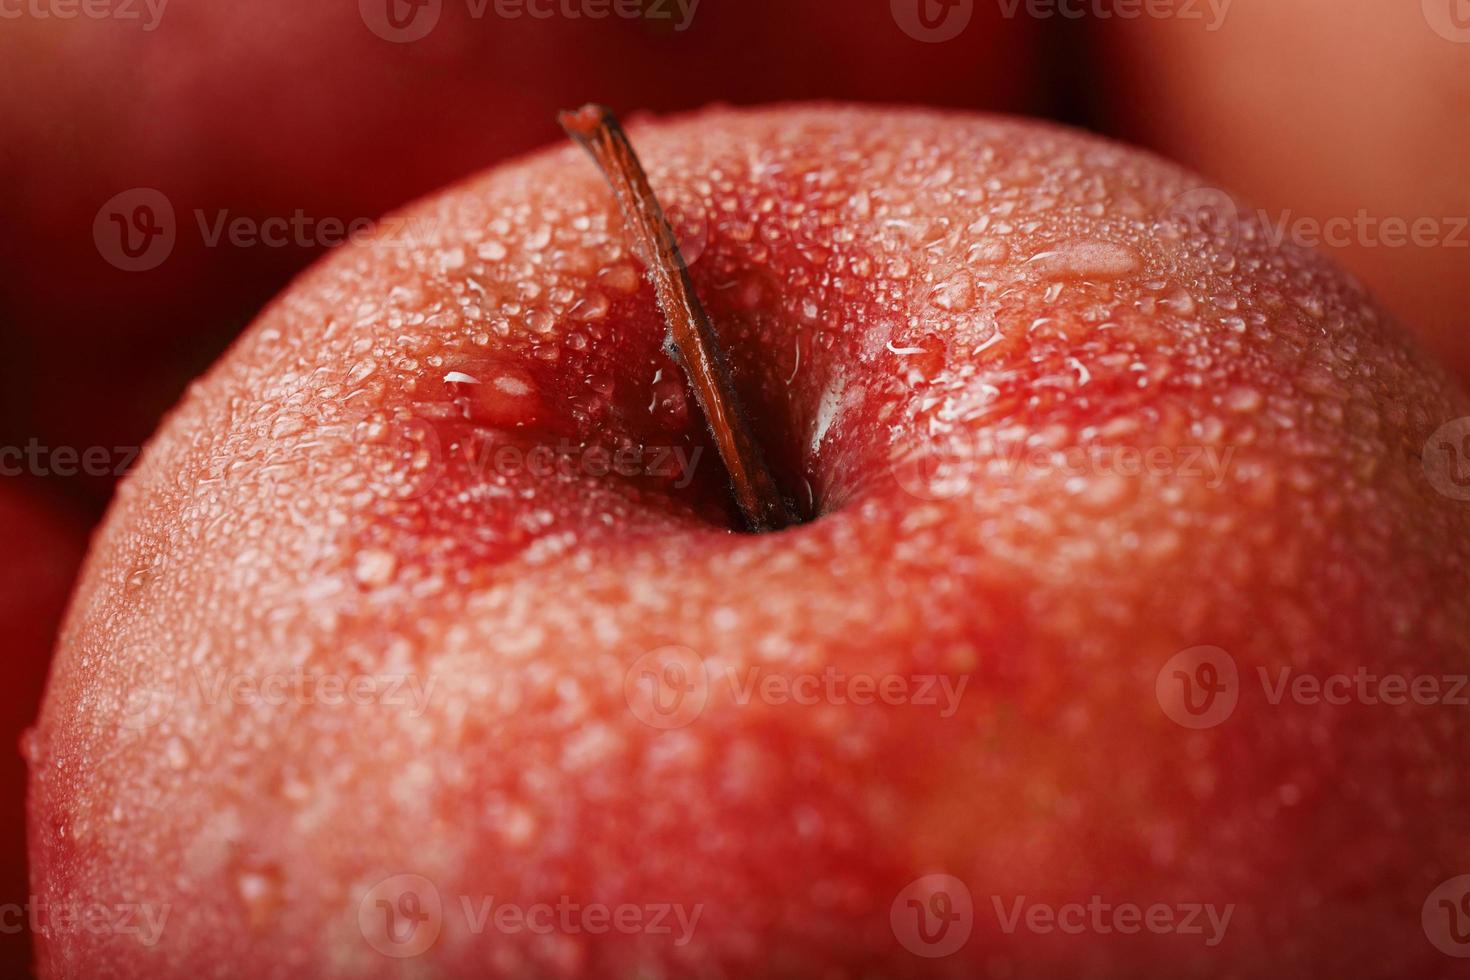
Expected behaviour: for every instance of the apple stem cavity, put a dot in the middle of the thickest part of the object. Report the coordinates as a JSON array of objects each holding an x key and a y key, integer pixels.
[{"x": 691, "y": 335}]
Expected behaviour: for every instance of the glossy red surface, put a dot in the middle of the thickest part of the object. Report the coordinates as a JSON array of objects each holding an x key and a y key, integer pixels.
[{"x": 952, "y": 330}]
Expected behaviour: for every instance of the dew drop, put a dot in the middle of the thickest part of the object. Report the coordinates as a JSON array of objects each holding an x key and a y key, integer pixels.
[
  {"x": 260, "y": 893},
  {"x": 620, "y": 278},
  {"x": 361, "y": 371},
  {"x": 669, "y": 404},
  {"x": 375, "y": 568},
  {"x": 499, "y": 394},
  {"x": 288, "y": 425},
  {"x": 177, "y": 754},
  {"x": 1087, "y": 260},
  {"x": 992, "y": 251},
  {"x": 955, "y": 295},
  {"x": 1178, "y": 300},
  {"x": 1243, "y": 400},
  {"x": 593, "y": 306}
]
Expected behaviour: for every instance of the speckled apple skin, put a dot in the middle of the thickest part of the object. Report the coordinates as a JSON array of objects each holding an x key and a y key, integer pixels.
[{"x": 925, "y": 311}]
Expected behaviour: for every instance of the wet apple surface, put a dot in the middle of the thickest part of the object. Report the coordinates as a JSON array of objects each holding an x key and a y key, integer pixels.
[{"x": 1055, "y": 433}]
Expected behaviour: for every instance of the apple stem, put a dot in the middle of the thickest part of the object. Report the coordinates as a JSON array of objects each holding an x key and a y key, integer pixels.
[{"x": 691, "y": 334}]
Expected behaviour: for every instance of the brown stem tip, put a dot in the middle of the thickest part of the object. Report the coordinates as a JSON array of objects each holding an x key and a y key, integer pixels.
[{"x": 597, "y": 131}]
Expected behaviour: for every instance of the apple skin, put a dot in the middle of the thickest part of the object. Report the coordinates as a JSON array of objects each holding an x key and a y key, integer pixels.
[
  {"x": 44, "y": 547},
  {"x": 950, "y": 282},
  {"x": 1366, "y": 102},
  {"x": 264, "y": 110}
]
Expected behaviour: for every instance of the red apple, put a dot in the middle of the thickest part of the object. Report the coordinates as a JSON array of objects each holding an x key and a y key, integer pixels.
[
  {"x": 386, "y": 663},
  {"x": 43, "y": 549},
  {"x": 300, "y": 115},
  {"x": 1345, "y": 122}
]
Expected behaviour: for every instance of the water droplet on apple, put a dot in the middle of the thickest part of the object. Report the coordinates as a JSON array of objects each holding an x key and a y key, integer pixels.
[
  {"x": 956, "y": 294},
  {"x": 1087, "y": 259},
  {"x": 287, "y": 425},
  {"x": 375, "y": 568},
  {"x": 496, "y": 393},
  {"x": 1178, "y": 300},
  {"x": 260, "y": 892},
  {"x": 593, "y": 306},
  {"x": 1243, "y": 399},
  {"x": 177, "y": 754},
  {"x": 670, "y": 402},
  {"x": 991, "y": 251}
]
